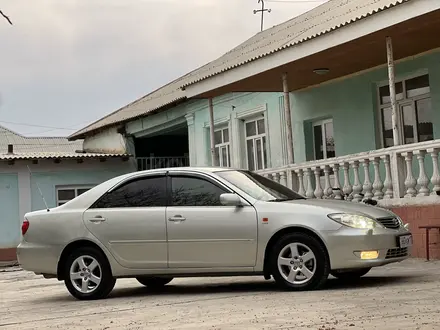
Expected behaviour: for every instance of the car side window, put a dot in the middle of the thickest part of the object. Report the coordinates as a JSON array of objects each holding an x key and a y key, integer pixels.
[
  {"x": 143, "y": 192},
  {"x": 193, "y": 191}
]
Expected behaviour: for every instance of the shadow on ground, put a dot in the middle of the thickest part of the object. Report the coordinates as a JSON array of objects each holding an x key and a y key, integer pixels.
[{"x": 241, "y": 287}]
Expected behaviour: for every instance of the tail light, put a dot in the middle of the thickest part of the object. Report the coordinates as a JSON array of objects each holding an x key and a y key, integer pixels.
[{"x": 25, "y": 227}]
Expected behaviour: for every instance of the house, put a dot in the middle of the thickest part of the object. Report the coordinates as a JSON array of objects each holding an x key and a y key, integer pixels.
[
  {"x": 344, "y": 96},
  {"x": 35, "y": 171}
]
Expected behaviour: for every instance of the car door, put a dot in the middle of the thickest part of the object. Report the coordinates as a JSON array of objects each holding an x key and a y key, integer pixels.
[
  {"x": 202, "y": 233},
  {"x": 130, "y": 221}
]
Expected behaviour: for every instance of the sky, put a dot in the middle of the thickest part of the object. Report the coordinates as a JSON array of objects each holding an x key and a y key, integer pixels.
[{"x": 67, "y": 63}]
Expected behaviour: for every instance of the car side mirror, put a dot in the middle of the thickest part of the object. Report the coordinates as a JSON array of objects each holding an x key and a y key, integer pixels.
[{"x": 230, "y": 200}]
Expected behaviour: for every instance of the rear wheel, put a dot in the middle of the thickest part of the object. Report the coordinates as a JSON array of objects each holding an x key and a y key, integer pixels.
[
  {"x": 352, "y": 274},
  {"x": 299, "y": 262},
  {"x": 88, "y": 275},
  {"x": 154, "y": 282}
]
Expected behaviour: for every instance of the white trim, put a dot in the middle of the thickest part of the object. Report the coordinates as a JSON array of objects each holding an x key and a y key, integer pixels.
[
  {"x": 257, "y": 111},
  {"x": 218, "y": 122},
  {"x": 352, "y": 31}
]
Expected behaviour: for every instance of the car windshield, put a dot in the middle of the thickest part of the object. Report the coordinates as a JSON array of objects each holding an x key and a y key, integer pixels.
[{"x": 259, "y": 187}]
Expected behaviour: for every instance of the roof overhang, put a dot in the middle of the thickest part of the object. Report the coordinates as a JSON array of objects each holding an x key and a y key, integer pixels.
[{"x": 358, "y": 46}]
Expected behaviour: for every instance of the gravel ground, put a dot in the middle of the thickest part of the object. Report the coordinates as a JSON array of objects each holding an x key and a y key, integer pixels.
[{"x": 400, "y": 296}]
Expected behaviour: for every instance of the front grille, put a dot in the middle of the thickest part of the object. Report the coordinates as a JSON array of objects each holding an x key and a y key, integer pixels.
[
  {"x": 397, "y": 253},
  {"x": 390, "y": 223}
]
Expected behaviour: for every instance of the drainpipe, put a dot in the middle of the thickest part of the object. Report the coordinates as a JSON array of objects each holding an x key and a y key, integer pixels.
[
  {"x": 288, "y": 117},
  {"x": 211, "y": 132},
  {"x": 392, "y": 83}
]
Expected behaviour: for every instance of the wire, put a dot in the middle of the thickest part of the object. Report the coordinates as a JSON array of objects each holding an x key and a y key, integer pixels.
[{"x": 41, "y": 126}]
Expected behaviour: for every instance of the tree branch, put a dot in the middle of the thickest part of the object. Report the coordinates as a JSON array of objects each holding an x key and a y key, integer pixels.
[{"x": 6, "y": 17}]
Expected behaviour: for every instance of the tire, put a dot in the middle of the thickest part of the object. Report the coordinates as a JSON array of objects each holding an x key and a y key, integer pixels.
[
  {"x": 154, "y": 282},
  {"x": 316, "y": 269},
  {"x": 350, "y": 275},
  {"x": 100, "y": 281}
]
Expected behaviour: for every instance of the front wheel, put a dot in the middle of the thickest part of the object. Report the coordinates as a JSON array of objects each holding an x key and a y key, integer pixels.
[
  {"x": 352, "y": 274},
  {"x": 88, "y": 275},
  {"x": 299, "y": 262},
  {"x": 154, "y": 282}
]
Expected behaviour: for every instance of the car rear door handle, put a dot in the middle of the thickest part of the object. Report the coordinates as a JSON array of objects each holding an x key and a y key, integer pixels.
[
  {"x": 97, "y": 219},
  {"x": 176, "y": 218}
]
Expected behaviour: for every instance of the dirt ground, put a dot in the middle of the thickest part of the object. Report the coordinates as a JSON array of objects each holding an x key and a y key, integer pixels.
[{"x": 400, "y": 296}]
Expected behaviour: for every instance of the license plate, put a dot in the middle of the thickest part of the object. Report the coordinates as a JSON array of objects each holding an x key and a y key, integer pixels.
[{"x": 405, "y": 241}]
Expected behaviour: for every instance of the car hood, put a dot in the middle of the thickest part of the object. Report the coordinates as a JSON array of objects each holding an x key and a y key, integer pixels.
[{"x": 337, "y": 206}]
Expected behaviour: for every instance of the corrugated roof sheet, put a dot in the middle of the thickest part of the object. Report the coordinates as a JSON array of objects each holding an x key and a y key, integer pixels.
[
  {"x": 57, "y": 155},
  {"x": 329, "y": 16},
  {"x": 325, "y": 18},
  {"x": 42, "y": 147}
]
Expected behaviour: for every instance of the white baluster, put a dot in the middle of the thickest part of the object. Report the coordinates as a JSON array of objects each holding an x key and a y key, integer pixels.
[
  {"x": 377, "y": 183},
  {"x": 309, "y": 192},
  {"x": 318, "y": 190},
  {"x": 327, "y": 186},
  {"x": 435, "y": 180},
  {"x": 347, "y": 185},
  {"x": 423, "y": 180},
  {"x": 283, "y": 178},
  {"x": 388, "y": 183},
  {"x": 301, "y": 189},
  {"x": 337, "y": 182},
  {"x": 276, "y": 177},
  {"x": 357, "y": 187},
  {"x": 368, "y": 187},
  {"x": 410, "y": 181}
]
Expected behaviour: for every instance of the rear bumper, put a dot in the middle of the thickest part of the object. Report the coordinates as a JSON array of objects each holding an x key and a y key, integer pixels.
[
  {"x": 38, "y": 258},
  {"x": 344, "y": 247}
]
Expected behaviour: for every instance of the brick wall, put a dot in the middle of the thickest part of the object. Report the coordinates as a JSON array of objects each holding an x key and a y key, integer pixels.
[
  {"x": 8, "y": 254},
  {"x": 421, "y": 216}
]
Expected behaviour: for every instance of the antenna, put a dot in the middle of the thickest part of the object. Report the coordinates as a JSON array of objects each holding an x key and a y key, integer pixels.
[
  {"x": 38, "y": 186},
  {"x": 262, "y": 10}
]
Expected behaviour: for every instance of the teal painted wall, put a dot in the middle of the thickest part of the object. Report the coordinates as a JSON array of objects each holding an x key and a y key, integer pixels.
[
  {"x": 48, "y": 181},
  {"x": 9, "y": 218},
  {"x": 239, "y": 103},
  {"x": 352, "y": 104}
]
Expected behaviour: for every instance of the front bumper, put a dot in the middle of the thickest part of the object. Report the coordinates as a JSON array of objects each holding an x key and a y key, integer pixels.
[{"x": 344, "y": 247}]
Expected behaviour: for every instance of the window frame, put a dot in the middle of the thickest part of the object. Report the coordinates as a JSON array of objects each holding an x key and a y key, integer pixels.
[
  {"x": 322, "y": 124},
  {"x": 75, "y": 188},
  {"x": 400, "y": 104},
  {"x": 128, "y": 181},
  {"x": 200, "y": 176},
  {"x": 223, "y": 144},
  {"x": 255, "y": 137}
]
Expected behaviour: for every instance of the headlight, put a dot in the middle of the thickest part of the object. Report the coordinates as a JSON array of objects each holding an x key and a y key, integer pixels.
[{"x": 354, "y": 220}]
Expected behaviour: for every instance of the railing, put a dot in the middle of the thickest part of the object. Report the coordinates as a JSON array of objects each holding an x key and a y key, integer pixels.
[
  {"x": 149, "y": 163},
  {"x": 398, "y": 172}
]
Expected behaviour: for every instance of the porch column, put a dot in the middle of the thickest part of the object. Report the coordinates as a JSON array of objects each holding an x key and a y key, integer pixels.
[
  {"x": 211, "y": 132},
  {"x": 392, "y": 83},
  {"x": 288, "y": 118},
  {"x": 191, "y": 139}
]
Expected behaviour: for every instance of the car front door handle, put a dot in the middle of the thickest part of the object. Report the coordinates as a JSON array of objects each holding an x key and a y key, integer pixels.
[{"x": 176, "y": 218}]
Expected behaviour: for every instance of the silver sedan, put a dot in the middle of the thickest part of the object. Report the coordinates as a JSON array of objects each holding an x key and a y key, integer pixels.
[{"x": 186, "y": 222}]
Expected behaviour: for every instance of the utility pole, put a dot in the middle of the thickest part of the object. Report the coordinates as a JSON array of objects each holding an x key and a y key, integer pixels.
[{"x": 262, "y": 10}]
